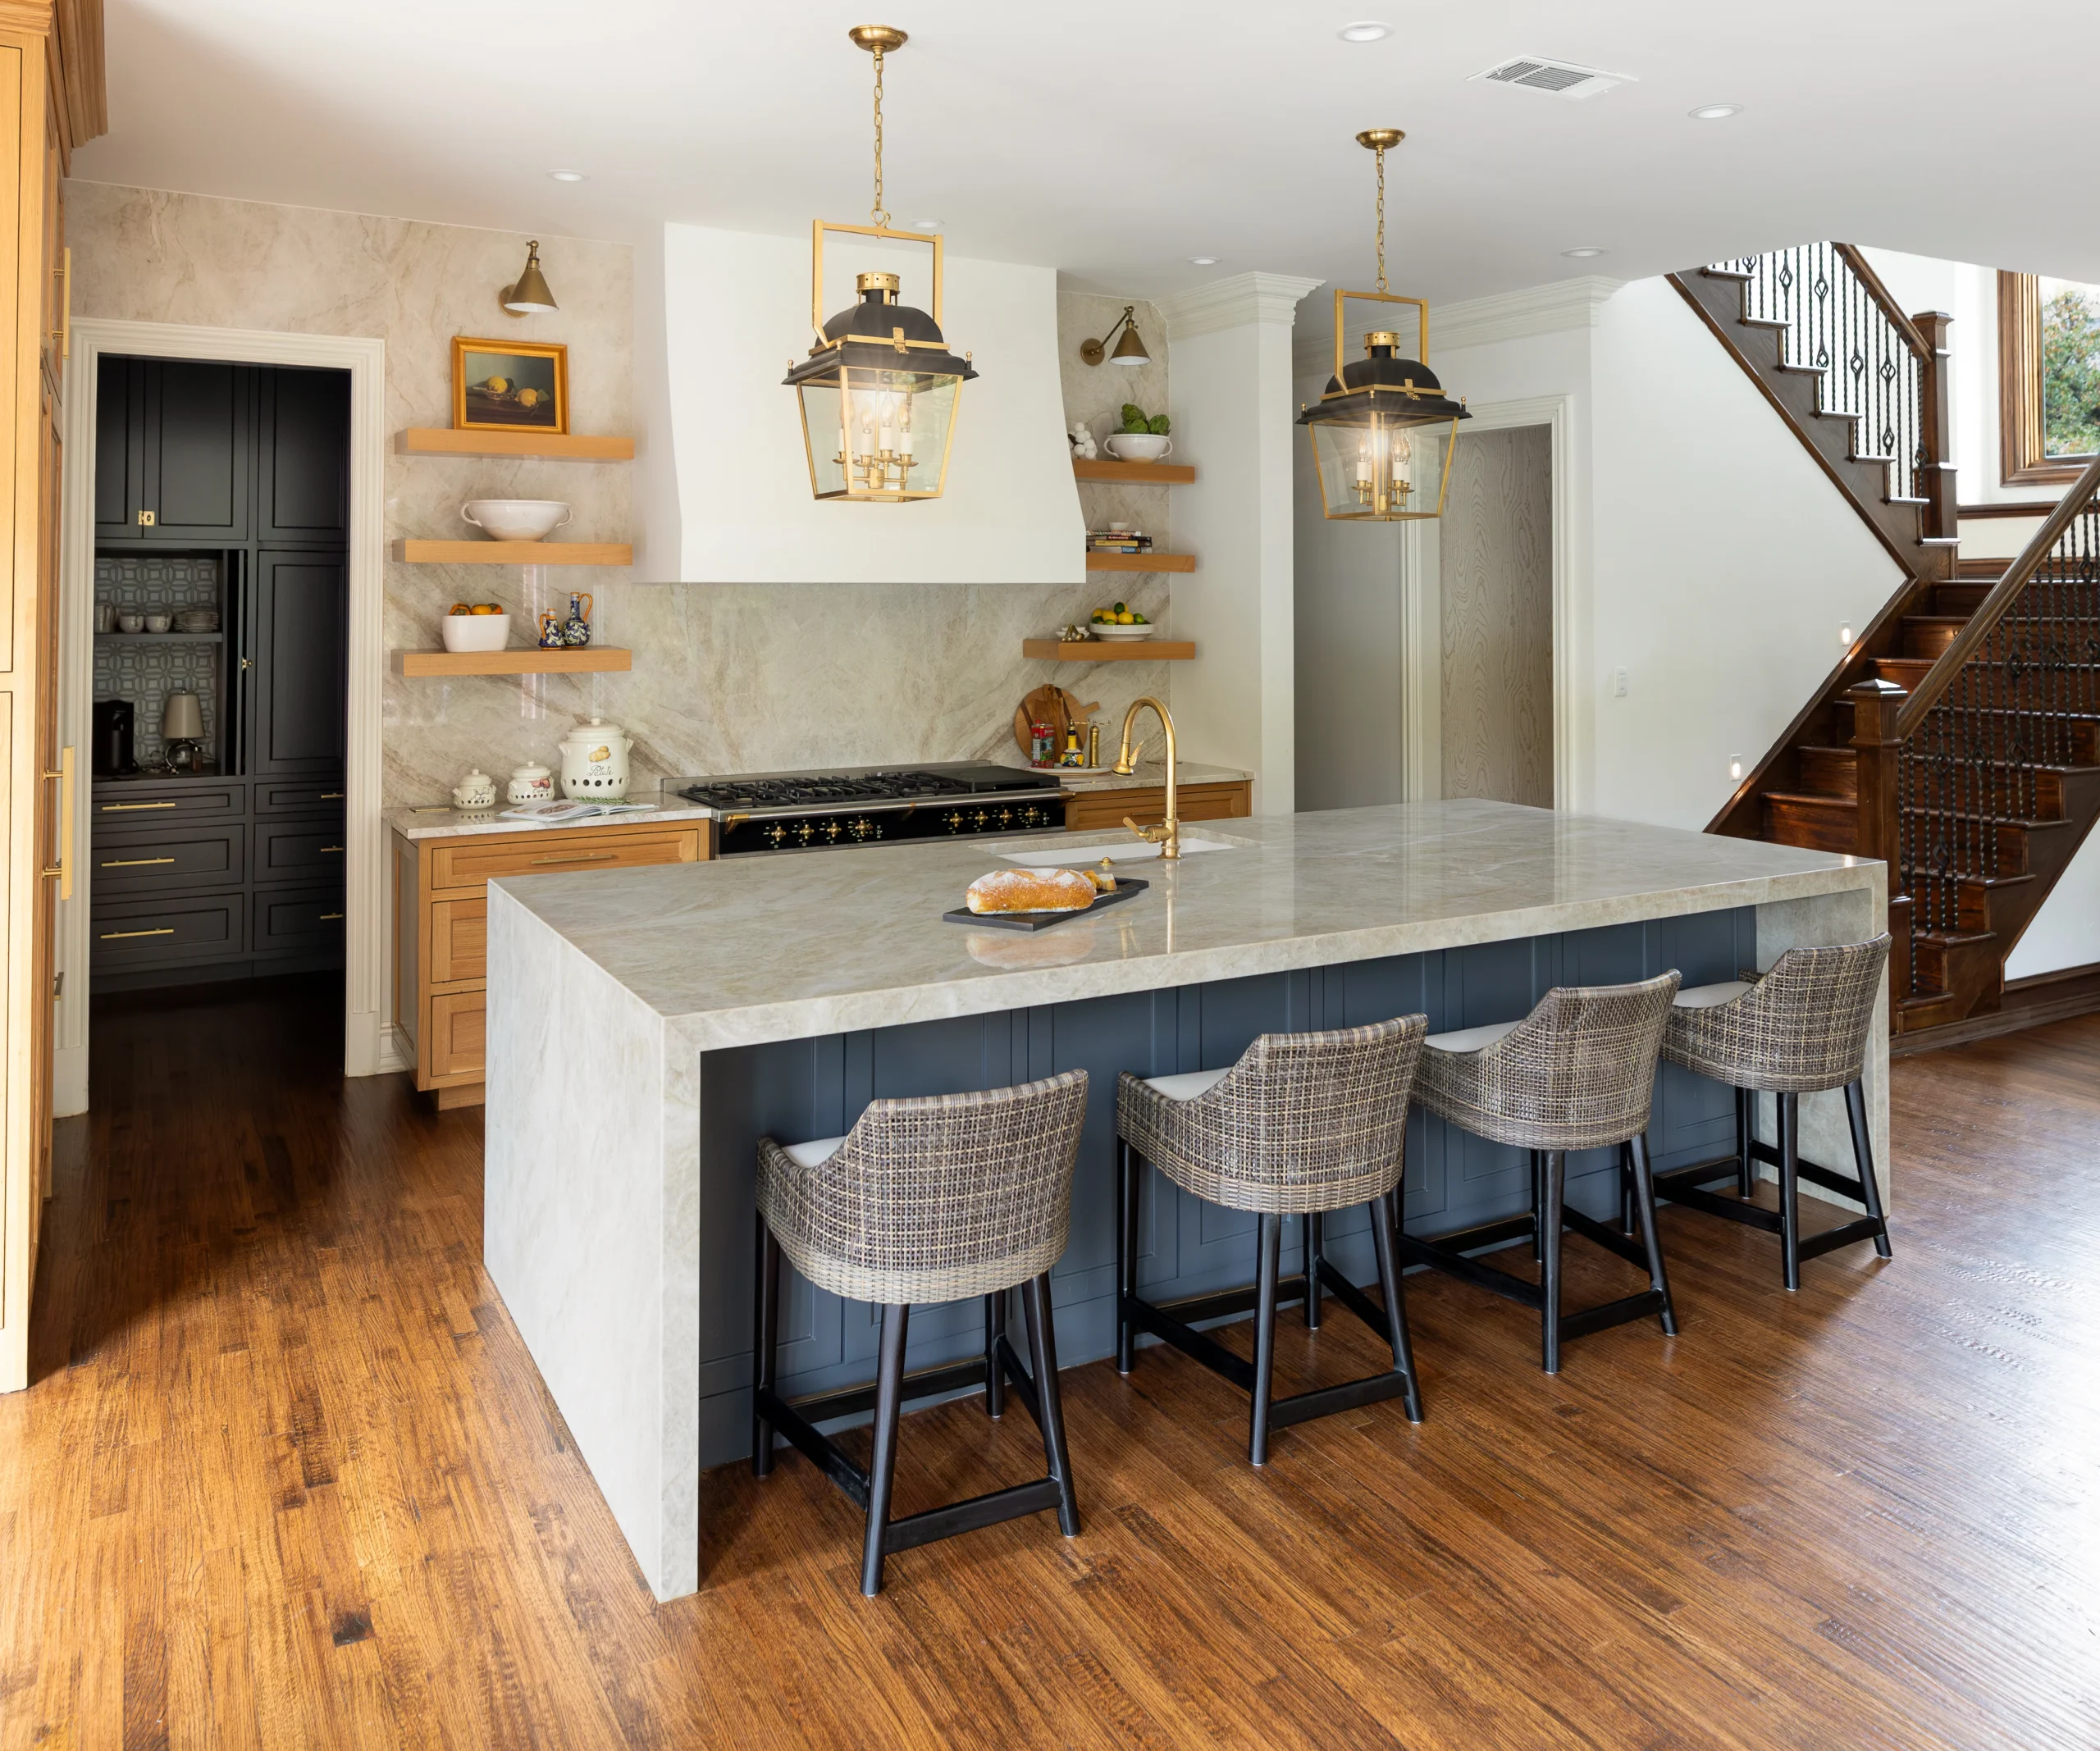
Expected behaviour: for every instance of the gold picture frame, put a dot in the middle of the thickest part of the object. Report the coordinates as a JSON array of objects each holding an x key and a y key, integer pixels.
[{"x": 510, "y": 386}]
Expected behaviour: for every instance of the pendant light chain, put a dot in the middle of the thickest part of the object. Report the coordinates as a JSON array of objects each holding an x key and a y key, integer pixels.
[
  {"x": 1381, "y": 207},
  {"x": 877, "y": 212}
]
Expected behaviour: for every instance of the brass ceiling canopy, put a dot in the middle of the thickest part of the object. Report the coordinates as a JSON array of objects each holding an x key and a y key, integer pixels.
[
  {"x": 1369, "y": 467},
  {"x": 1130, "y": 350},
  {"x": 879, "y": 389},
  {"x": 530, "y": 296}
]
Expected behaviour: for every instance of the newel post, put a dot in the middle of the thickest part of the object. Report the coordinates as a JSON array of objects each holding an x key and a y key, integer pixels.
[
  {"x": 1877, "y": 753},
  {"x": 1936, "y": 480}
]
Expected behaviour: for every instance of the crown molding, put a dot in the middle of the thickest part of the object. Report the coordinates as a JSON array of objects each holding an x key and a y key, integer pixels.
[{"x": 1233, "y": 303}]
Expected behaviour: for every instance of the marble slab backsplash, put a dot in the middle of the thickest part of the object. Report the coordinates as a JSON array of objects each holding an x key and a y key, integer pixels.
[{"x": 726, "y": 677}]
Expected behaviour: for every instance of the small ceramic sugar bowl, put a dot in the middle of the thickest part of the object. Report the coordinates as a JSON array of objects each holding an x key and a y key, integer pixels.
[
  {"x": 531, "y": 784},
  {"x": 476, "y": 791}
]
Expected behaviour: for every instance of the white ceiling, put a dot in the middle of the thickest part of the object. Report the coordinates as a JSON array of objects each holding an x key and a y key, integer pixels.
[{"x": 1113, "y": 138}]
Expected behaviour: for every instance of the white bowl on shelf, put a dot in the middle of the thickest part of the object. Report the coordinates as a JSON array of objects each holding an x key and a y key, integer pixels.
[
  {"x": 1122, "y": 632},
  {"x": 516, "y": 519},
  {"x": 475, "y": 632},
  {"x": 1138, "y": 446}
]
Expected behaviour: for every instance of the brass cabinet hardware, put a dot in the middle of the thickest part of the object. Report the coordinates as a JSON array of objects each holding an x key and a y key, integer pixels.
[
  {"x": 131, "y": 862},
  {"x": 575, "y": 857},
  {"x": 331, "y": 848},
  {"x": 63, "y": 868},
  {"x": 63, "y": 334},
  {"x": 120, "y": 808},
  {"x": 331, "y": 796},
  {"x": 58, "y": 985},
  {"x": 246, "y": 665},
  {"x": 326, "y": 916},
  {"x": 146, "y": 520},
  {"x": 165, "y": 930}
]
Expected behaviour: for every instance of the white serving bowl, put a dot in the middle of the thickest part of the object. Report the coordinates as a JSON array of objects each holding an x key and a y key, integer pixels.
[
  {"x": 475, "y": 632},
  {"x": 1123, "y": 631},
  {"x": 517, "y": 519},
  {"x": 1138, "y": 446}
]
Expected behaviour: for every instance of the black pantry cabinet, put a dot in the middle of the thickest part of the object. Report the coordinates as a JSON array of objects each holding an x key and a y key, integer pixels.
[{"x": 238, "y": 871}]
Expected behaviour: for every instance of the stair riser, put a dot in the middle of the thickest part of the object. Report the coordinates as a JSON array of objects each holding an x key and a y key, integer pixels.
[
  {"x": 1817, "y": 825},
  {"x": 2031, "y": 637},
  {"x": 1994, "y": 794},
  {"x": 1833, "y": 772},
  {"x": 2018, "y": 737},
  {"x": 1969, "y": 842}
]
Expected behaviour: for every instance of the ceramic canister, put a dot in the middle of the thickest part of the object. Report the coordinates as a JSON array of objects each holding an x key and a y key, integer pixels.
[
  {"x": 594, "y": 762},
  {"x": 531, "y": 784},
  {"x": 476, "y": 791}
]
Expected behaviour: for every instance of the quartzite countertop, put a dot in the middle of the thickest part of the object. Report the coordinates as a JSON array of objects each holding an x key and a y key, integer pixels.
[{"x": 646, "y": 1025}]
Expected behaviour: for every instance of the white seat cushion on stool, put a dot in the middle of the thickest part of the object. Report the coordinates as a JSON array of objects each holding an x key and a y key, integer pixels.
[
  {"x": 812, "y": 1154},
  {"x": 1711, "y": 996},
  {"x": 1188, "y": 1084},
  {"x": 1468, "y": 1039}
]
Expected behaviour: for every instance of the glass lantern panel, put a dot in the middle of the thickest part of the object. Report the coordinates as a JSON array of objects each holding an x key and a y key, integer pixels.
[
  {"x": 879, "y": 434},
  {"x": 1379, "y": 470}
]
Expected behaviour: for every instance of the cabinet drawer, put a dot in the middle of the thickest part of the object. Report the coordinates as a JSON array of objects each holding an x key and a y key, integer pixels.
[
  {"x": 129, "y": 805},
  {"x": 466, "y": 864},
  {"x": 297, "y": 850},
  {"x": 1148, "y": 806},
  {"x": 299, "y": 796},
  {"x": 297, "y": 917},
  {"x": 181, "y": 858},
  {"x": 457, "y": 1033},
  {"x": 140, "y": 933},
  {"x": 459, "y": 940}
]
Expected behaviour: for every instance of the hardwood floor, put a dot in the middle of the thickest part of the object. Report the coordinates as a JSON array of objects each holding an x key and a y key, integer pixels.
[{"x": 287, "y": 1478}]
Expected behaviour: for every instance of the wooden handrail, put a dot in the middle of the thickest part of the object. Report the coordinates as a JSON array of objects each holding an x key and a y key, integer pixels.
[
  {"x": 1850, "y": 254},
  {"x": 2006, "y": 591}
]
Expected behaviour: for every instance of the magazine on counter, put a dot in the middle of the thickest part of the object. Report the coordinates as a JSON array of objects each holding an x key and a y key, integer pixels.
[{"x": 554, "y": 814}]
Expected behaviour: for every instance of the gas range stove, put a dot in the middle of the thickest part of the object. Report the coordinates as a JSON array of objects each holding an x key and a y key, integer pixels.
[{"x": 810, "y": 811}]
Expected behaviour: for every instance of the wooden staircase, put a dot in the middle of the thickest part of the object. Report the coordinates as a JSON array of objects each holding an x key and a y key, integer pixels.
[{"x": 1958, "y": 740}]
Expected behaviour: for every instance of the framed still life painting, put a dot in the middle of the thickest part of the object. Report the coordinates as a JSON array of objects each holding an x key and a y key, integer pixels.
[{"x": 508, "y": 385}]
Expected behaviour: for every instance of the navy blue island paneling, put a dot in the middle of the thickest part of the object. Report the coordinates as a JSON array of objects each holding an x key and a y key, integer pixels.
[{"x": 800, "y": 1089}]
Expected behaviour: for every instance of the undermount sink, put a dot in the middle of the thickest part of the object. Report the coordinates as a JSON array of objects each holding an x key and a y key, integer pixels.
[{"x": 1120, "y": 850}]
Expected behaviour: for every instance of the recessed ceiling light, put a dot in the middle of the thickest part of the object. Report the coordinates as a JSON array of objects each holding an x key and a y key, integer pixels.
[
  {"x": 925, "y": 225},
  {"x": 1584, "y": 252},
  {"x": 1365, "y": 30},
  {"x": 1716, "y": 111},
  {"x": 1202, "y": 261},
  {"x": 566, "y": 175}
]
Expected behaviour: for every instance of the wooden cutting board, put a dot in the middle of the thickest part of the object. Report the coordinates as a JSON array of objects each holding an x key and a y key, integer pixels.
[{"x": 1056, "y": 707}]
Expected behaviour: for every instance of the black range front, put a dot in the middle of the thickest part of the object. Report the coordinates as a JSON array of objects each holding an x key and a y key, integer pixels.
[{"x": 766, "y": 812}]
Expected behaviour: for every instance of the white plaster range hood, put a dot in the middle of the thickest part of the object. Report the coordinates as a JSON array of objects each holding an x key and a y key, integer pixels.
[{"x": 724, "y": 487}]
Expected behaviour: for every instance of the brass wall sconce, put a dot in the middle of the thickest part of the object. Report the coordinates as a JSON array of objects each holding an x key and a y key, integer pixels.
[
  {"x": 1130, "y": 350},
  {"x": 530, "y": 296}
]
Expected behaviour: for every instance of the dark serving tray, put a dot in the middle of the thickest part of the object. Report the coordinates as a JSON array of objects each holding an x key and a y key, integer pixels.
[{"x": 1127, "y": 887}]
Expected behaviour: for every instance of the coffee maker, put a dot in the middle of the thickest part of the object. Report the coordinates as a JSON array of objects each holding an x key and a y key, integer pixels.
[{"x": 113, "y": 722}]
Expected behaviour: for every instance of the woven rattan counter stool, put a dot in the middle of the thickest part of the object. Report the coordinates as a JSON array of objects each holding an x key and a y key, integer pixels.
[
  {"x": 1578, "y": 1073},
  {"x": 1798, "y": 1029},
  {"x": 923, "y": 1200},
  {"x": 1304, "y": 1124}
]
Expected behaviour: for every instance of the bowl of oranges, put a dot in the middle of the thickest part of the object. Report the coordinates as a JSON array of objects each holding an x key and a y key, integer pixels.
[
  {"x": 1120, "y": 621},
  {"x": 475, "y": 625}
]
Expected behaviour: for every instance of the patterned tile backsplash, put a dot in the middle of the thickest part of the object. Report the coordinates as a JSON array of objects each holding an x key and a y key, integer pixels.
[{"x": 146, "y": 669}]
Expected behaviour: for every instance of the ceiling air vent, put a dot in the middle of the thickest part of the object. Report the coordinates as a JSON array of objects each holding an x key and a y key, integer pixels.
[{"x": 1556, "y": 79}]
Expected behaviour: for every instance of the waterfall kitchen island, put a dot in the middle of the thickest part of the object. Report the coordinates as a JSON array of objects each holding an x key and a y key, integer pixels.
[{"x": 645, "y": 1026}]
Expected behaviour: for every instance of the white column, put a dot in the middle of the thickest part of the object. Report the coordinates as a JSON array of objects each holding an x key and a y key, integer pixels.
[{"x": 1234, "y": 705}]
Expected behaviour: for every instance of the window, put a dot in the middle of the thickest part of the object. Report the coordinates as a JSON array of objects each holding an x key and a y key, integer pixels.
[{"x": 2048, "y": 377}]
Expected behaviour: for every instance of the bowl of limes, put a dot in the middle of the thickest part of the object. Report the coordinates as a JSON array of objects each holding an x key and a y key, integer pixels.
[{"x": 1120, "y": 621}]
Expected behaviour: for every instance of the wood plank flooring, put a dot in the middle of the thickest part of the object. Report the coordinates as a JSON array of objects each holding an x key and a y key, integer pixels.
[{"x": 287, "y": 1478}]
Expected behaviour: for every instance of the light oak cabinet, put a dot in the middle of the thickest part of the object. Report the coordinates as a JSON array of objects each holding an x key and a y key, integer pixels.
[
  {"x": 1092, "y": 809},
  {"x": 440, "y": 928},
  {"x": 51, "y": 99}
]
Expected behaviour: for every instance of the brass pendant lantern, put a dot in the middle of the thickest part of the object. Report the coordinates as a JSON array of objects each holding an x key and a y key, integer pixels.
[
  {"x": 1384, "y": 432},
  {"x": 879, "y": 388}
]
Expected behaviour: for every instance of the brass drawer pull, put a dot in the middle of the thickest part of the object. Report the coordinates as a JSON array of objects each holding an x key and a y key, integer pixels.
[
  {"x": 331, "y": 848},
  {"x": 331, "y": 796},
  {"x": 111, "y": 936},
  {"x": 326, "y": 916},
  {"x": 132, "y": 863},
  {"x": 576, "y": 857},
  {"x": 119, "y": 808}
]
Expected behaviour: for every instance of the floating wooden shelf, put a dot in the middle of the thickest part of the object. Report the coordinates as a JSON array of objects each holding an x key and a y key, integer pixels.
[
  {"x": 167, "y": 638},
  {"x": 527, "y": 659},
  {"x": 1141, "y": 562},
  {"x": 548, "y": 446},
  {"x": 1152, "y": 473},
  {"x": 514, "y": 553},
  {"x": 1109, "y": 651}
]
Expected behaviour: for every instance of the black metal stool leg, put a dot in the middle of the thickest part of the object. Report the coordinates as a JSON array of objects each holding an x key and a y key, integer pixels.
[
  {"x": 1128, "y": 1171},
  {"x": 1315, "y": 1251},
  {"x": 1270, "y": 1246},
  {"x": 995, "y": 1376},
  {"x": 1042, "y": 1361},
  {"x": 1538, "y": 1206},
  {"x": 1790, "y": 1188},
  {"x": 1628, "y": 1215},
  {"x": 1855, "y": 1111},
  {"x": 881, "y": 1467},
  {"x": 1746, "y": 1130},
  {"x": 1385, "y": 1229},
  {"x": 765, "y": 1331},
  {"x": 1644, "y": 1193},
  {"x": 1556, "y": 1176}
]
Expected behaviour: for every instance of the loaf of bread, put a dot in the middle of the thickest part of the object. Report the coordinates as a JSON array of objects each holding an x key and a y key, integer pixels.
[{"x": 1030, "y": 890}]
